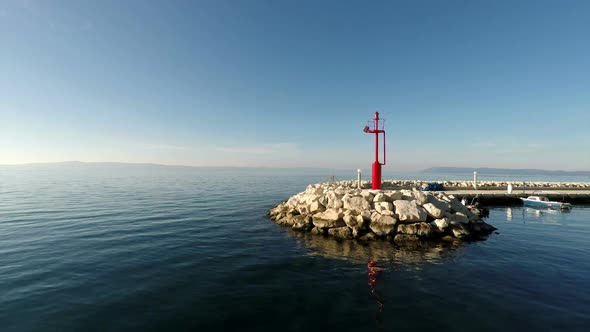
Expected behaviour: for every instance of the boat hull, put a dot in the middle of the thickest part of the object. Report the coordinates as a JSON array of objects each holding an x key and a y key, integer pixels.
[{"x": 548, "y": 205}]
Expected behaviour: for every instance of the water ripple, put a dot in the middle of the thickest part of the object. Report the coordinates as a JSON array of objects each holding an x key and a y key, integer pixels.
[{"x": 190, "y": 251}]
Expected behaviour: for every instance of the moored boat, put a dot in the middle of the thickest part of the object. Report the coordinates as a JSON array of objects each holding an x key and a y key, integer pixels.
[{"x": 544, "y": 202}]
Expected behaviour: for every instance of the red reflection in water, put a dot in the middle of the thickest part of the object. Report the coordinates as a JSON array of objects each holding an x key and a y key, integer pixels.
[{"x": 373, "y": 271}]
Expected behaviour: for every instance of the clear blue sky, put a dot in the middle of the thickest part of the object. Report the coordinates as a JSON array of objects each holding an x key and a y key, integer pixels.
[{"x": 292, "y": 83}]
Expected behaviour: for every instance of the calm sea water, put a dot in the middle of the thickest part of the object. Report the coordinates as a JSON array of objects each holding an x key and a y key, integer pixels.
[{"x": 192, "y": 250}]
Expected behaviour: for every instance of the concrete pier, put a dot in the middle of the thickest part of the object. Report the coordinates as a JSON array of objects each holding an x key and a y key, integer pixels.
[
  {"x": 495, "y": 193},
  {"x": 502, "y": 198}
]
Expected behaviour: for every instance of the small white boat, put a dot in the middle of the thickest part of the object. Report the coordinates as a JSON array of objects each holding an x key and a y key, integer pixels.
[{"x": 544, "y": 202}]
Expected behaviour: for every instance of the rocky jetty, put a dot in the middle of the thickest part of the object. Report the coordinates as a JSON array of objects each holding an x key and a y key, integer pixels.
[
  {"x": 462, "y": 184},
  {"x": 341, "y": 211}
]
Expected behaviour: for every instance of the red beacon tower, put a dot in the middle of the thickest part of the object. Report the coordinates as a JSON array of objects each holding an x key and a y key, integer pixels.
[{"x": 378, "y": 128}]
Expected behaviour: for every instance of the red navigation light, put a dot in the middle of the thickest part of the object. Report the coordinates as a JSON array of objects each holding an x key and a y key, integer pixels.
[{"x": 378, "y": 128}]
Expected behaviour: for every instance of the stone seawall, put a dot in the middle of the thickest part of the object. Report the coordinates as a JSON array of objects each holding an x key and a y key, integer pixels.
[
  {"x": 501, "y": 198},
  {"x": 482, "y": 185},
  {"x": 341, "y": 211}
]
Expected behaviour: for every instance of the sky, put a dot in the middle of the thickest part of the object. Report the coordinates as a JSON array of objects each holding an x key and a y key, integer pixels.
[{"x": 292, "y": 83}]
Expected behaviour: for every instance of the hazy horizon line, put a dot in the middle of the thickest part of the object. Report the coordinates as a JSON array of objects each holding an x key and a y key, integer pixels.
[
  {"x": 74, "y": 162},
  {"x": 157, "y": 164}
]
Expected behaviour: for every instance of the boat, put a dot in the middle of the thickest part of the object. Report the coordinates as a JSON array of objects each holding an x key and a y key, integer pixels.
[{"x": 544, "y": 202}]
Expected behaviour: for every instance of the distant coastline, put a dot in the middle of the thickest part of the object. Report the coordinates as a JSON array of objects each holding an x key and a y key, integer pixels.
[
  {"x": 125, "y": 165},
  {"x": 431, "y": 170},
  {"x": 510, "y": 171}
]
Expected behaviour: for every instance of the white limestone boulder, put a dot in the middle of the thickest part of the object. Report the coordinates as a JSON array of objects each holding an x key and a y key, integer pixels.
[
  {"x": 303, "y": 209},
  {"x": 340, "y": 232},
  {"x": 293, "y": 201},
  {"x": 409, "y": 211},
  {"x": 366, "y": 215},
  {"x": 446, "y": 199},
  {"x": 307, "y": 198},
  {"x": 459, "y": 231},
  {"x": 334, "y": 201},
  {"x": 293, "y": 212},
  {"x": 328, "y": 219},
  {"x": 288, "y": 219},
  {"x": 433, "y": 211},
  {"x": 276, "y": 210},
  {"x": 439, "y": 202},
  {"x": 458, "y": 217},
  {"x": 384, "y": 208},
  {"x": 357, "y": 203},
  {"x": 355, "y": 223},
  {"x": 383, "y": 226},
  {"x": 374, "y": 216},
  {"x": 314, "y": 190},
  {"x": 456, "y": 206},
  {"x": 303, "y": 224},
  {"x": 407, "y": 195},
  {"x": 380, "y": 197},
  {"x": 316, "y": 207},
  {"x": 420, "y": 197},
  {"x": 395, "y": 195},
  {"x": 368, "y": 195},
  {"x": 420, "y": 229},
  {"x": 440, "y": 225},
  {"x": 340, "y": 191}
]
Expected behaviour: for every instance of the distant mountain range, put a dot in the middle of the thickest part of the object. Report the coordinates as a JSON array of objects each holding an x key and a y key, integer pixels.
[
  {"x": 511, "y": 171},
  {"x": 122, "y": 165}
]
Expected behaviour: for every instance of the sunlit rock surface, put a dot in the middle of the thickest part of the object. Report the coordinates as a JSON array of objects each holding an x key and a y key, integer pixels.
[{"x": 402, "y": 216}]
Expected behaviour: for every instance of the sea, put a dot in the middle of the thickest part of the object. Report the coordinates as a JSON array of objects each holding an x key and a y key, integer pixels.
[{"x": 192, "y": 249}]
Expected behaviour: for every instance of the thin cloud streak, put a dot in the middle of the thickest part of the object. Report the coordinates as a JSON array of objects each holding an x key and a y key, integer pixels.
[
  {"x": 165, "y": 147},
  {"x": 259, "y": 149}
]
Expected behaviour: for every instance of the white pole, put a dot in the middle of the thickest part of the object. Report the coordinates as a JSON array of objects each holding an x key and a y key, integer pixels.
[
  {"x": 358, "y": 183},
  {"x": 475, "y": 180}
]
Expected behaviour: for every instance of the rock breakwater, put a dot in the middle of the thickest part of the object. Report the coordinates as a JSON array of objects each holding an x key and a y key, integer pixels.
[
  {"x": 402, "y": 216},
  {"x": 462, "y": 184}
]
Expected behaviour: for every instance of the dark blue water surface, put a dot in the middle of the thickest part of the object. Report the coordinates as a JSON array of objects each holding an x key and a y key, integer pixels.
[{"x": 193, "y": 250}]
